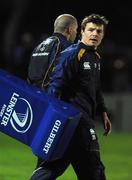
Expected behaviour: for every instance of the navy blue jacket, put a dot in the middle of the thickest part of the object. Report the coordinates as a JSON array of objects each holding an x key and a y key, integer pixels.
[
  {"x": 76, "y": 78},
  {"x": 64, "y": 43},
  {"x": 43, "y": 59}
]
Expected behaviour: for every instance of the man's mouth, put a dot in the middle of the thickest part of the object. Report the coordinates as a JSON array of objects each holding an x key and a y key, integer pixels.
[{"x": 93, "y": 39}]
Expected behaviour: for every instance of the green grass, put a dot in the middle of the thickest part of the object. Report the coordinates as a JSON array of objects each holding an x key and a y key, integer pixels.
[
  {"x": 116, "y": 153},
  {"x": 17, "y": 161}
]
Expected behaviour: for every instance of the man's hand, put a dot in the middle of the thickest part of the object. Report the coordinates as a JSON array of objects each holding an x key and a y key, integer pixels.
[{"x": 107, "y": 124}]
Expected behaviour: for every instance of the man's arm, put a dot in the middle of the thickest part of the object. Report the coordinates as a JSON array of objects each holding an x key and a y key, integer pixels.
[
  {"x": 102, "y": 110},
  {"x": 61, "y": 76},
  {"x": 64, "y": 71}
]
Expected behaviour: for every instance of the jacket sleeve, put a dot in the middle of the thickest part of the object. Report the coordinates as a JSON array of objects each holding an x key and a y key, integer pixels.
[
  {"x": 101, "y": 107},
  {"x": 62, "y": 75}
]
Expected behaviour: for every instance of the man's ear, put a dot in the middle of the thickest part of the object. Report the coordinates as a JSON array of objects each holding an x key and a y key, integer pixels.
[
  {"x": 82, "y": 32},
  {"x": 69, "y": 30},
  {"x": 66, "y": 32}
]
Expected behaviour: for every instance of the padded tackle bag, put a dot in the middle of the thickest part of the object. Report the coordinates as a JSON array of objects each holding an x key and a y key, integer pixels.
[{"x": 31, "y": 116}]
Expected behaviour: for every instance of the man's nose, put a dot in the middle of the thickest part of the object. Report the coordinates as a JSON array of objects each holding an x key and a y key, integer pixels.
[{"x": 95, "y": 32}]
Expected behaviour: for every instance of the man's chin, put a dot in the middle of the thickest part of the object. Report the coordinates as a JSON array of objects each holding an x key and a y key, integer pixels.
[{"x": 92, "y": 45}]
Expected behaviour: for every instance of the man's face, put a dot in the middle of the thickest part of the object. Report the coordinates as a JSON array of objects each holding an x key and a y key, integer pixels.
[{"x": 93, "y": 34}]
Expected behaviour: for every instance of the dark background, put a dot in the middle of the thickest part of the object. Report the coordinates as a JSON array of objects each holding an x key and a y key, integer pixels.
[{"x": 25, "y": 22}]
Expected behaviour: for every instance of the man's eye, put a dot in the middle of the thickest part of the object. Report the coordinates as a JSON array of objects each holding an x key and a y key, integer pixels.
[
  {"x": 91, "y": 30},
  {"x": 99, "y": 31}
]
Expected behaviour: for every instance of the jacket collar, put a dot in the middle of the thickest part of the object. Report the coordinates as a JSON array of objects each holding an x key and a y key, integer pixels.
[
  {"x": 91, "y": 48},
  {"x": 59, "y": 35}
]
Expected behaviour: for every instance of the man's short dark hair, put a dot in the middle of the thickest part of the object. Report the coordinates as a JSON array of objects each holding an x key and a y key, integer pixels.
[{"x": 94, "y": 18}]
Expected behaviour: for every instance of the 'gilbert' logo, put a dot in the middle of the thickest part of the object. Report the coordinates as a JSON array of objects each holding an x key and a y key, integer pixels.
[{"x": 19, "y": 113}]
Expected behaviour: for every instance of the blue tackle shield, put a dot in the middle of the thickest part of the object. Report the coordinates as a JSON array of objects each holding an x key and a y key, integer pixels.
[{"x": 31, "y": 116}]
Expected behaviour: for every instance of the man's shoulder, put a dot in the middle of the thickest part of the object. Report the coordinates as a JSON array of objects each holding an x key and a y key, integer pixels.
[{"x": 72, "y": 49}]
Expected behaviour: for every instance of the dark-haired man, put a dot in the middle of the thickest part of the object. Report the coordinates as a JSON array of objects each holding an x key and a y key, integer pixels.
[{"x": 78, "y": 70}]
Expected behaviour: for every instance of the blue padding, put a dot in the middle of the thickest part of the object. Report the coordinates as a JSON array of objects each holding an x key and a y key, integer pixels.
[{"x": 29, "y": 115}]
